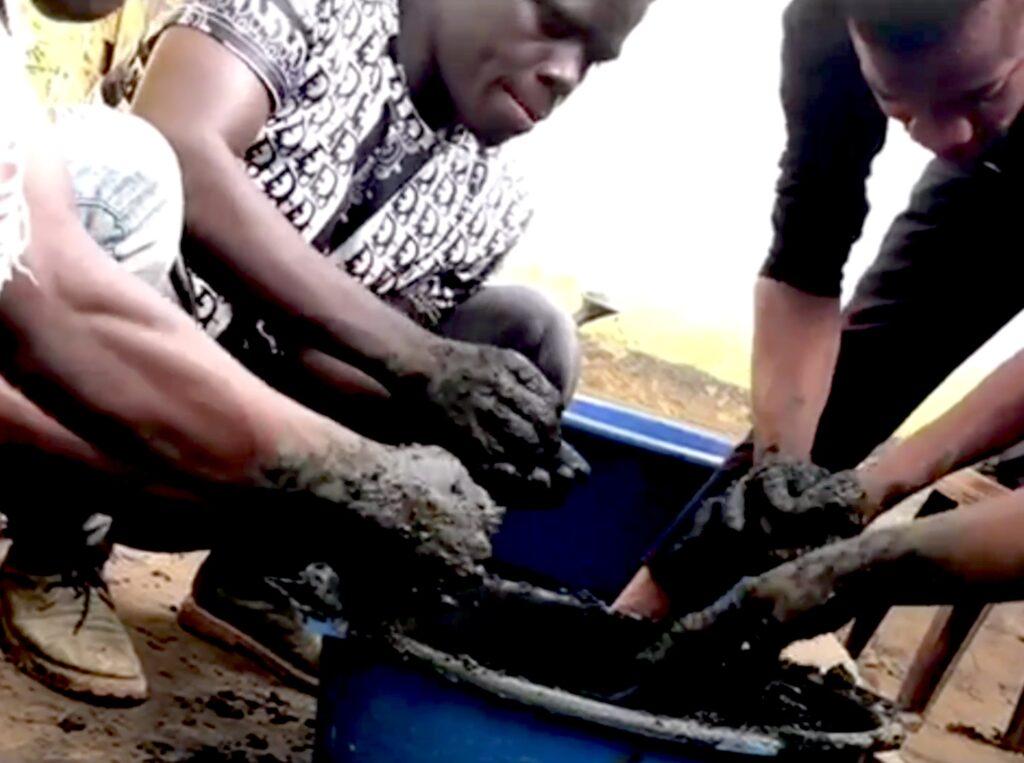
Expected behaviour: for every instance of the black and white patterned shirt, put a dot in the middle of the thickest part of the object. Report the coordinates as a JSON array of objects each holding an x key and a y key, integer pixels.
[{"x": 406, "y": 209}]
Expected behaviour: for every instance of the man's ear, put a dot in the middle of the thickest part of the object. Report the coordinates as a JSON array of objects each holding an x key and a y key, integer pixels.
[{"x": 77, "y": 10}]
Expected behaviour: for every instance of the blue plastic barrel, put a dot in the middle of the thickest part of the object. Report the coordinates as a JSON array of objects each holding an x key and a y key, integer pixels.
[{"x": 379, "y": 706}]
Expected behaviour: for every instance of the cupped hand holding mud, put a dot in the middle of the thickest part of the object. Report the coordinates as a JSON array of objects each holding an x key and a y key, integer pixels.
[
  {"x": 797, "y": 506},
  {"x": 498, "y": 412},
  {"x": 422, "y": 497},
  {"x": 973, "y": 554},
  {"x": 747, "y": 628}
]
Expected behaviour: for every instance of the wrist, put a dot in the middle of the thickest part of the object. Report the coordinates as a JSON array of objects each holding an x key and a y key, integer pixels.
[
  {"x": 887, "y": 482},
  {"x": 777, "y": 446},
  {"x": 417, "y": 362}
]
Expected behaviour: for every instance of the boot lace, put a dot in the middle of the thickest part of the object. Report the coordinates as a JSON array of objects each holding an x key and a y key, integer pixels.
[{"x": 84, "y": 573}]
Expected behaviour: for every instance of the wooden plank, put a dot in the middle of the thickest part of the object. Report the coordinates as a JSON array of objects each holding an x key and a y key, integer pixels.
[
  {"x": 948, "y": 637},
  {"x": 953, "y": 628}
]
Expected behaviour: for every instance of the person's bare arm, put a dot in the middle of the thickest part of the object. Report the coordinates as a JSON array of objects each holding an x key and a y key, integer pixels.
[
  {"x": 211, "y": 107},
  {"x": 122, "y": 367},
  {"x": 23, "y": 423},
  {"x": 989, "y": 419},
  {"x": 796, "y": 342},
  {"x": 130, "y": 374},
  {"x": 973, "y": 554}
]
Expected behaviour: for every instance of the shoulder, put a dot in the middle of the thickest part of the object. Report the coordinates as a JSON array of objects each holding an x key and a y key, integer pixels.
[{"x": 817, "y": 28}]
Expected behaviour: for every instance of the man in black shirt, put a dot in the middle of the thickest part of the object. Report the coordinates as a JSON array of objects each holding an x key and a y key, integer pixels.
[{"x": 830, "y": 385}]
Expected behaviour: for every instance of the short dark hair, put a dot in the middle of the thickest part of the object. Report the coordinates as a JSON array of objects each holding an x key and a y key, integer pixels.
[{"x": 907, "y": 25}]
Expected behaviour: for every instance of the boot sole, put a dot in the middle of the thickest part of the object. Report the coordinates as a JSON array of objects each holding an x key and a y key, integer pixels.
[
  {"x": 96, "y": 690},
  {"x": 199, "y": 622}
]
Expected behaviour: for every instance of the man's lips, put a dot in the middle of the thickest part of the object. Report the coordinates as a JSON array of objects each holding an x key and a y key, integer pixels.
[{"x": 534, "y": 115}]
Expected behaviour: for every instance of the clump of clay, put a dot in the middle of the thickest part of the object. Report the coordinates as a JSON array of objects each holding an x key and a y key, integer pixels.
[
  {"x": 422, "y": 494},
  {"x": 776, "y": 513}
]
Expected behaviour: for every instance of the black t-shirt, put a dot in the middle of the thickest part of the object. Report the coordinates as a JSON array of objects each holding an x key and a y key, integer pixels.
[{"x": 834, "y": 130}]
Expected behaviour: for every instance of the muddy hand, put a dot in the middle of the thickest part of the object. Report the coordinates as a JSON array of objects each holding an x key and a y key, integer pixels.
[
  {"x": 796, "y": 506},
  {"x": 534, "y": 482},
  {"x": 497, "y": 410},
  {"x": 758, "y": 618},
  {"x": 430, "y": 497},
  {"x": 397, "y": 503}
]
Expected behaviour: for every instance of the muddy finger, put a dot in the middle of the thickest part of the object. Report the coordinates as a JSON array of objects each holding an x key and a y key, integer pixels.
[
  {"x": 544, "y": 415},
  {"x": 518, "y": 435},
  {"x": 540, "y": 478},
  {"x": 571, "y": 458}
]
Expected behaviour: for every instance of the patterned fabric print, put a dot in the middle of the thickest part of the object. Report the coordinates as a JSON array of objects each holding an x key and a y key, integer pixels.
[{"x": 417, "y": 215}]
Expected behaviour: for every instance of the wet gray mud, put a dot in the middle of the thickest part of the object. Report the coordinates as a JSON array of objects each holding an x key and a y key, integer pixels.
[
  {"x": 575, "y": 645},
  {"x": 775, "y": 514},
  {"x": 421, "y": 497},
  {"x": 498, "y": 402}
]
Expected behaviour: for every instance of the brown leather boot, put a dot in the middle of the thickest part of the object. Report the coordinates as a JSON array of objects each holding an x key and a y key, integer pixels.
[{"x": 58, "y": 622}]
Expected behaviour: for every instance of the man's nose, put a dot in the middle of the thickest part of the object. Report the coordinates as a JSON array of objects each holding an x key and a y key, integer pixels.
[
  {"x": 941, "y": 134},
  {"x": 562, "y": 71}
]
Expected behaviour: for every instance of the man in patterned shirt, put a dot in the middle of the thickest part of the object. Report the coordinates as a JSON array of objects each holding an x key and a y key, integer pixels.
[
  {"x": 341, "y": 160},
  {"x": 109, "y": 390}
]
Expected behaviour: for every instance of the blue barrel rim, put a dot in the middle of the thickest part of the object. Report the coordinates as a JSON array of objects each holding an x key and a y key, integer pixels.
[
  {"x": 647, "y": 431},
  {"x": 890, "y": 733}
]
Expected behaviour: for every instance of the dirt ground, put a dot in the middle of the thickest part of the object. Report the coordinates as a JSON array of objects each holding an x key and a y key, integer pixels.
[
  {"x": 208, "y": 705},
  {"x": 680, "y": 392}
]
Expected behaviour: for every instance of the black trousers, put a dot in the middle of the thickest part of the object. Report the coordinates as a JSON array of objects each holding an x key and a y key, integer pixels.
[{"x": 947, "y": 278}]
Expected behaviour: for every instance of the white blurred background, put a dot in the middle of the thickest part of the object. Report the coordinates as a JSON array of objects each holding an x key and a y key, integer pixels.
[{"x": 654, "y": 184}]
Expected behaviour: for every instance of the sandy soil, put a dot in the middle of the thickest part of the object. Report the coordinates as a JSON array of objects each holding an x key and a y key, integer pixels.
[
  {"x": 676, "y": 391},
  {"x": 208, "y": 705}
]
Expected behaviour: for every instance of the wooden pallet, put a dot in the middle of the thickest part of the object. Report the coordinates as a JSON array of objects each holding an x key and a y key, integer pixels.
[{"x": 951, "y": 630}]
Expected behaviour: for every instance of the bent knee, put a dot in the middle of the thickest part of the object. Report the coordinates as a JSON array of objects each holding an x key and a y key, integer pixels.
[
  {"x": 525, "y": 320},
  {"x": 128, "y": 187}
]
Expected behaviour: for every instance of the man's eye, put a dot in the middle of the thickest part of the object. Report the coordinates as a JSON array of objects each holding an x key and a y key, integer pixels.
[{"x": 553, "y": 23}]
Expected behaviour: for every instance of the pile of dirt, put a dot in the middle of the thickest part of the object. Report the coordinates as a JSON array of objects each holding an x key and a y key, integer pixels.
[{"x": 674, "y": 390}]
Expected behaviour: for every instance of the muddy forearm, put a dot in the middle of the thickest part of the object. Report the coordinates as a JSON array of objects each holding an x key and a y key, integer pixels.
[
  {"x": 129, "y": 382},
  {"x": 211, "y": 107},
  {"x": 974, "y": 554},
  {"x": 796, "y": 341}
]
